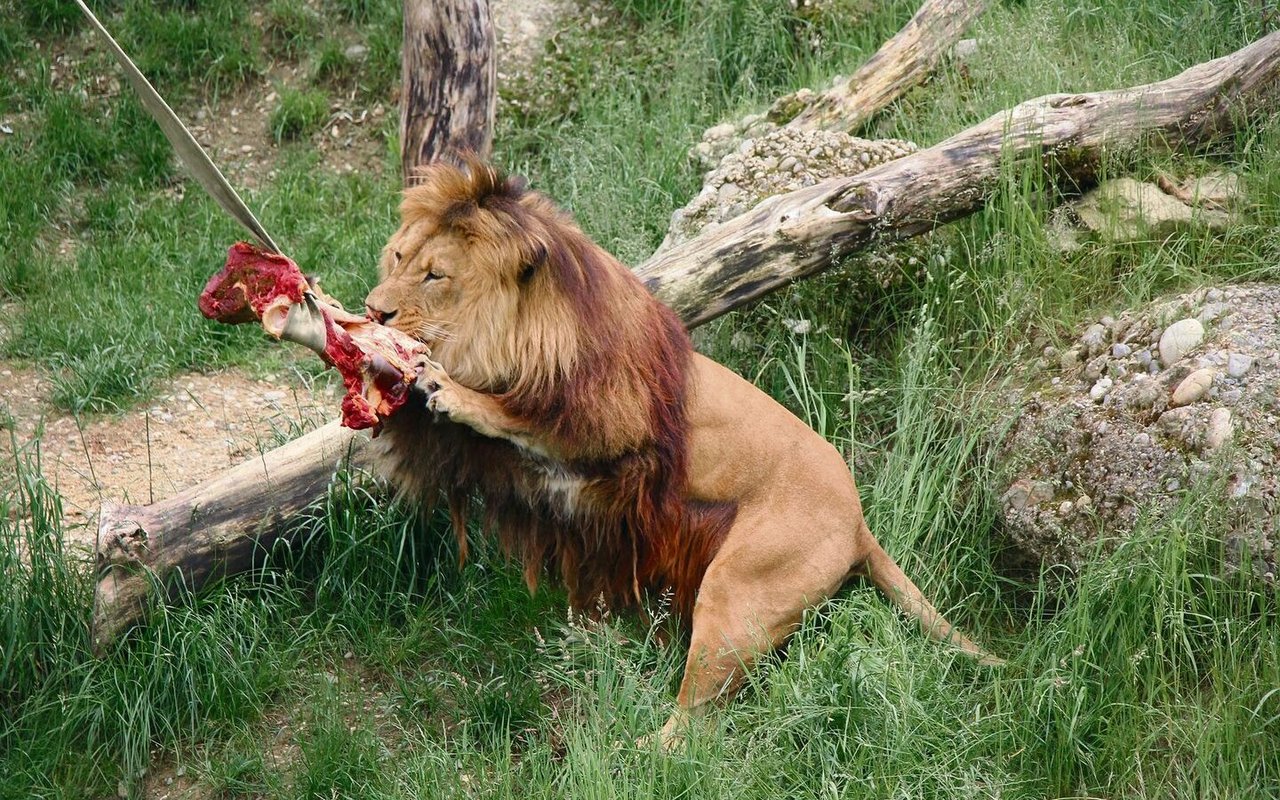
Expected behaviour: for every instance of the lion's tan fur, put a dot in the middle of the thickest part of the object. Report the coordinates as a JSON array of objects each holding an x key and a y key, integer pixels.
[{"x": 569, "y": 401}]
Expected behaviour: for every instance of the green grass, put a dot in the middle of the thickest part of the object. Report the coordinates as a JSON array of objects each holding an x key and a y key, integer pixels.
[
  {"x": 299, "y": 113},
  {"x": 362, "y": 662}
]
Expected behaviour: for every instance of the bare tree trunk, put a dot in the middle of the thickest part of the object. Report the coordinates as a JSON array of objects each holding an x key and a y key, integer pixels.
[
  {"x": 211, "y": 529},
  {"x": 900, "y": 64},
  {"x": 450, "y": 81}
]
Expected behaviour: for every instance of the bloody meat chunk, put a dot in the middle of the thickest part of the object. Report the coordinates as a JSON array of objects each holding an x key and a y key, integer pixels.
[{"x": 377, "y": 363}]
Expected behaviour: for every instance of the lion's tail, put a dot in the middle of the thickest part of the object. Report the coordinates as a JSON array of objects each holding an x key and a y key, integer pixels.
[{"x": 890, "y": 579}]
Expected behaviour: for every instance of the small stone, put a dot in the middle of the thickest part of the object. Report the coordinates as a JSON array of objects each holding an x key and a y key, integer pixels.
[
  {"x": 1219, "y": 431},
  {"x": 965, "y": 48},
  {"x": 1238, "y": 364},
  {"x": 1066, "y": 508},
  {"x": 1100, "y": 389},
  {"x": 1094, "y": 338},
  {"x": 1178, "y": 339},
  {"x": 1120, "y": 350},
  {"x": 1142, "y": 440},
  {"x": 1084, "y": 501},
  {"x": 356, "y": 52},
  {"x": 787, "y": 163},
  {"x": 728, "y": 191},
  {"x": 1173, "y": 485},
  {"x": 1213, "y": 295},
  {"x": 1144, "y": 357},
  {"x": 1026, "y": 492},
  {"x": 1050, "y": 351},
  {"x": 1192, "y": 387}
]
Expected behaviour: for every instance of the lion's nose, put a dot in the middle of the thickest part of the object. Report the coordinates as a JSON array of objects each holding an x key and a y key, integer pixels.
[{"x": 378, "y": 315}]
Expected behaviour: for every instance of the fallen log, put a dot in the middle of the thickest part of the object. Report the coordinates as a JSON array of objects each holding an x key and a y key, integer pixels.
[
  {"x": 450, "y": 81},
  {"x": 900, "y": 64},
  {"x": 215, "y": 529},
  {"x": 794, "y": 235},
  {"x": 784, "y": 238}
]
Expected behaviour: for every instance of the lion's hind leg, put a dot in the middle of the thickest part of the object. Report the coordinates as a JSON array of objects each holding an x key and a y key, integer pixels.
[{"x": 753, "y": 596}]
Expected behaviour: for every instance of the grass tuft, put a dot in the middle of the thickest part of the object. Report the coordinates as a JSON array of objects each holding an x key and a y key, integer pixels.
[{"x": 300, "y": 112}]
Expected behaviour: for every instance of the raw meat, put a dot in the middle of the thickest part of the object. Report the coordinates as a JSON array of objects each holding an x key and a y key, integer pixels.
[{"x": 377, "y": 363}]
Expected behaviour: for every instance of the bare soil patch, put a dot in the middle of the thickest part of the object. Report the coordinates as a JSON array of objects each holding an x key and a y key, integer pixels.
[{"x": 196, "y": 426}]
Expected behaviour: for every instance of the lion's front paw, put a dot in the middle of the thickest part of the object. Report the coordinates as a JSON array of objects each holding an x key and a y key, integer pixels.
[
  {"x": 436, "y": 387},
  {"x": 442, "y": 399}
]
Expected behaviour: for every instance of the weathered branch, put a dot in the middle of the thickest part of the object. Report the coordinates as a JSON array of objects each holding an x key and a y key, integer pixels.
[
  {"x": 210, "y": 530},
  {"x": 450, "y": 81},
  {"x": 215, "y": 528},
  {"x": 900, "y": 64},
  {"x": 795, "y": 235}
]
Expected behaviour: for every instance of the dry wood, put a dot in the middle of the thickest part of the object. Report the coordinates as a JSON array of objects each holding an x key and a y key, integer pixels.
[
  {"x": 450, "y": 81},
  {"x": 900, "y": 64},
  {"x": 210, "y": 530},
  {"x": 217, "y": 528},
  {"x": 795, "y": 235}
]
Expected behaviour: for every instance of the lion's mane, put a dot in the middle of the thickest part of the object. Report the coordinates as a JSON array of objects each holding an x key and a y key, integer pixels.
[{"x": 598, "y": 368}]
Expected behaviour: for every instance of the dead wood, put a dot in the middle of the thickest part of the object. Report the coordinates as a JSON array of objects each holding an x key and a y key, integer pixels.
[
  {"x": 794, "y": 235},
  {"x": 208, "y": 531},
  {"x": 450, "y": 80},
  {"x": 215, "y": 528},
  {"x": 900, "y": 64}
]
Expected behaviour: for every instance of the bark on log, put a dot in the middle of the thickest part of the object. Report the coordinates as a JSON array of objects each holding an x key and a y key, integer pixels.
[
  {"x": 450, "y": 79},
  {"x": 795, "y": 235},
  {"x": 900, "y": 64},
  {"x": 209, "y": 530}
]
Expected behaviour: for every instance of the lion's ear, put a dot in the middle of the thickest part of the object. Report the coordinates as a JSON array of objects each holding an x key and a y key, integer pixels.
[
  {"x": 537, "y": 257},
  {"x": 517, "y": 185}
]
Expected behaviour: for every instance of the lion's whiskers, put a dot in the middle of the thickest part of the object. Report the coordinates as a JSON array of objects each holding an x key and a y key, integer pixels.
[{"x": 437, "y": 332}]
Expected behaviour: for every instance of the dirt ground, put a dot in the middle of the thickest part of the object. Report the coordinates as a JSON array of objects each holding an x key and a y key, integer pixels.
[{"x": 196, "y": 426}]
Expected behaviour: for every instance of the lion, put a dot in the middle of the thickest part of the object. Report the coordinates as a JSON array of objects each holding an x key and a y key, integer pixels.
[{"x": 570, "y": 401}]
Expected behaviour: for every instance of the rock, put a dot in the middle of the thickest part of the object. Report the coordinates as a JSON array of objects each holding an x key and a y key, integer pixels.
[
  {"x": 1206, "y": 419},
  {"x": 1100, "y": 389},
  {"x": 1192, "y": 388},
  {"x": 1219, "y": 431},
  {"x": 965, "y": 48},
  {"x": 1238, "y": 364},
  {"x": 356, "y": 52},
  {"x": 1126, "y": 210},
  {"x": 1120, "y": 350},
  {"x": 1179, "y": 338}
]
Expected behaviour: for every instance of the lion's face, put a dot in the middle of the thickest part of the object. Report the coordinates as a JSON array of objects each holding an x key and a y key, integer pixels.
[{"x": 454, "y": 276}]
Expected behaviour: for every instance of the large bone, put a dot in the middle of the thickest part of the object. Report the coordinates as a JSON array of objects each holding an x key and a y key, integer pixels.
[{"x": 784, "y": 238}]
